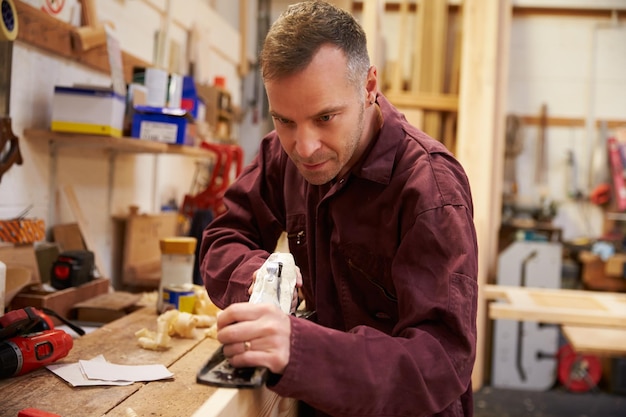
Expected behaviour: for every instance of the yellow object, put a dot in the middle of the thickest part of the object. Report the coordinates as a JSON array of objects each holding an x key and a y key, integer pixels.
[
  {"x": 178, "y": 245},
  {"x": 8, "y": 21}
]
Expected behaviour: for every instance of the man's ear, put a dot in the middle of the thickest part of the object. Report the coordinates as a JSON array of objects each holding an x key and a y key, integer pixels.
[{"x": 371, "y": 85}]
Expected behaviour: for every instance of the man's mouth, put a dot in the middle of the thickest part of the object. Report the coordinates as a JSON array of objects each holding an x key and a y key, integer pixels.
[{"x": 314, "y": 166}]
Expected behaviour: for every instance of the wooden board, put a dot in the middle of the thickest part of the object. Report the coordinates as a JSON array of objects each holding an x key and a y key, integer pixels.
[
  {"x": 179, "y": 397},
  {"x": 162, "y": 396},
  {"x": 68, "y": 236},
  {"x": 558, "y": 306},
  {"x": 482, "y": 107},
  {"x": 596, "y": 340}
]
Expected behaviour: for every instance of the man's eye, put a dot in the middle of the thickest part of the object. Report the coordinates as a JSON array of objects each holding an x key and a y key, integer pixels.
[
  {"x": 326, "y": 118},
  {"x": 282, "y": 120}
]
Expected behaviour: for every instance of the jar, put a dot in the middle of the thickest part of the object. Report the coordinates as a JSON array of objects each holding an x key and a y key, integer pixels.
[{"x": 177, "y": 265}]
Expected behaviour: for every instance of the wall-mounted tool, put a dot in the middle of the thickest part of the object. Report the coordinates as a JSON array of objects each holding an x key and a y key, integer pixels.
[{"x": 9, "y": 145}]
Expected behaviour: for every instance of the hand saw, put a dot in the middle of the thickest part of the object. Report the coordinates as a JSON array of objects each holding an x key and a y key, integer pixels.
[{"x": 9, "y": 145}]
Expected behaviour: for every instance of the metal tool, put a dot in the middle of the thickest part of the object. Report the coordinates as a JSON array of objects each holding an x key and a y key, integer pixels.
[
  {"x": 9, "y": 145},
  {"x": 271, "y": 287}
]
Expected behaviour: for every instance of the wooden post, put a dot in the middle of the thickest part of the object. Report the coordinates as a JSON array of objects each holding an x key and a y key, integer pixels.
[{"x": 480, "y": 137}]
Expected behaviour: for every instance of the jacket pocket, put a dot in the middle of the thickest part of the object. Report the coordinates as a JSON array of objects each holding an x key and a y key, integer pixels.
[{"x": 367, "y": 288}]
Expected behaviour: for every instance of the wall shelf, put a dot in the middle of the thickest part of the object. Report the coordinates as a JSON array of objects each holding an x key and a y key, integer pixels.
[
  {"x": 108, "y": 144},
  {"x": 114, "y": 144}
]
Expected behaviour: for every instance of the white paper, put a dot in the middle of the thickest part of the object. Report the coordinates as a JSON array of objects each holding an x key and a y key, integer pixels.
[
  {"x": 113, "y": 372},
  {"x": 73, "y": 374},
  {"x": 98, "y": 371}
]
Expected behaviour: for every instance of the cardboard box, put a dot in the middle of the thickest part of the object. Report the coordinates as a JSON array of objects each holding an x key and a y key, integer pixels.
[
  {"x": 21, "y": 256},
  {"x": 105, "y": 308},
  {"x": 88, "y": 109},
  {"x": 161, "y": 125},
  {"x": 615, "y": 266},
  {"x": 141, "y": 254},
  {"x": 62, "y": 301},
  {"x": 594, "y": 274}
]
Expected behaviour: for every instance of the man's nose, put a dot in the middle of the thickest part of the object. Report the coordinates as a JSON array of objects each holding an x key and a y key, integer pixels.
[{"x": 307, "y": 141}]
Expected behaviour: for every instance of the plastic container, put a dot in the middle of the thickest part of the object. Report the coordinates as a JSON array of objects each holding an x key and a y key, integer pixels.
[{"x": 177, "y": 264}]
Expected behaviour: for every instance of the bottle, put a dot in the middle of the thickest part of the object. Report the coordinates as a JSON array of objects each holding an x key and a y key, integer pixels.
[{"x": 177, "y": 262}]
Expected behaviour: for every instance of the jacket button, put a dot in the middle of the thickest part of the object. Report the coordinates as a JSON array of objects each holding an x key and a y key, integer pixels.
[{"x": 382, "y": 315}]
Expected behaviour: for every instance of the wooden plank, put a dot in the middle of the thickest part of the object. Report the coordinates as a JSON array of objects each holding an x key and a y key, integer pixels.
[
  {"x": 418, "y": 48},
  {"x": 596, "y": 340},
  {"x": 43, "y": 31},
  {"x": 482, "y": 102},
  {"x": 450, "y": 118},
  {"x": 114, "y": 144},
  {"x": 433, "y": 58},
  {"x": 83, "y": 224},
  {"x": 250, "y": 403},
  {"x": 397, "y": 77},
  {"x": 68, "y": 236},
  {"x": 182, "y": 399},
  {"x": 570, "y": 122},
  {"x": 430, "y": 101},
  {"x": 557, "y": 306}
]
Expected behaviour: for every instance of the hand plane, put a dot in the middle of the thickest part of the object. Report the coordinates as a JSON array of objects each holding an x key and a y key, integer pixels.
[{"x": 275, "y": 284}]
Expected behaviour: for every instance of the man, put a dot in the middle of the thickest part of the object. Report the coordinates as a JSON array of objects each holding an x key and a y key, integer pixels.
[{"x": 378, "y": 217}]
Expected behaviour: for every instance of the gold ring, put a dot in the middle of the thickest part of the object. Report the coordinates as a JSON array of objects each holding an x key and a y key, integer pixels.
[{"x": 246, "y": 346}]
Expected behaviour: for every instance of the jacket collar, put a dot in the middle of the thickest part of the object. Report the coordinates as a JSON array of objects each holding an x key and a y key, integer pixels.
[{"x": 378, "y": 162}]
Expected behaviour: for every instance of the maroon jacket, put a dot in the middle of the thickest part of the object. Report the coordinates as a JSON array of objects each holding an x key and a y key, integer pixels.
[{"x": 388, "y": 256}]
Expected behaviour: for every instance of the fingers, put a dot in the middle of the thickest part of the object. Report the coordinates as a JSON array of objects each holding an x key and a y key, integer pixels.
[
  {"x": 298, "y": 277},
  {"x": 255, "y": 335}
]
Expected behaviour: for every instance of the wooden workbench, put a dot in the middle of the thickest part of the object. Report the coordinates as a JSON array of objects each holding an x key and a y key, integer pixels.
[{"x": 178, "y": 397}]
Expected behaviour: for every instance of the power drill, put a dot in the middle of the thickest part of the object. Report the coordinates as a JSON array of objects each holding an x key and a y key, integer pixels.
[{"x": 28, "y": 341}]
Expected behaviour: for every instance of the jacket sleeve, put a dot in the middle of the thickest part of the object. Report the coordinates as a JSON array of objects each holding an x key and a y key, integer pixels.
[
  {"x": 237, "y": 242},
  {"x": 424, "y": 367}
]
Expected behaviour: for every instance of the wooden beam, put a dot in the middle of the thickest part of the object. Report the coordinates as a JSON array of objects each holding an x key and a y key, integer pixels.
[
  {"x": 371, "y": 21},
  {"x": 484, "y": 66},
  {"x": 566, "y": 10},
  {"x": 430, "y": 101},
  {"x": 570, "y": 122},
  {"x": 557, "y": 306}
]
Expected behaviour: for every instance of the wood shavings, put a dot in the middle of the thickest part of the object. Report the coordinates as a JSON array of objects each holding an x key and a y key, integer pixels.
[{"x": 174, "y": 323}]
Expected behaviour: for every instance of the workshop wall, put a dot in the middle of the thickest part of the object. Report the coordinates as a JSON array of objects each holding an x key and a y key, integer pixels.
[
  {"x": 575, "y": 66},
  {"x": 143, "y": 180},
  {"x": 569, "y": 55}
]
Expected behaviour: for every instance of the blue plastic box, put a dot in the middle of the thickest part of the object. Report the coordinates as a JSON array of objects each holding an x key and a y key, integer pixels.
[{"x": 161, "y": 124}]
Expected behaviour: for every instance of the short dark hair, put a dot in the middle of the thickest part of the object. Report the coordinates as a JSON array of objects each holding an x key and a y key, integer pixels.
[{"x": 302, "y": 29}]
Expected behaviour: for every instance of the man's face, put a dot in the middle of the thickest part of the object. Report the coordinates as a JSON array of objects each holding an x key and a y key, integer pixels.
[{"x": 318, "y": 116}]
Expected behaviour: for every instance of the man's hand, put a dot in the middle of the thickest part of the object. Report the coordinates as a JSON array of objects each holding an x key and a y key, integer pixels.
[{"x": 255, "y": 335}]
